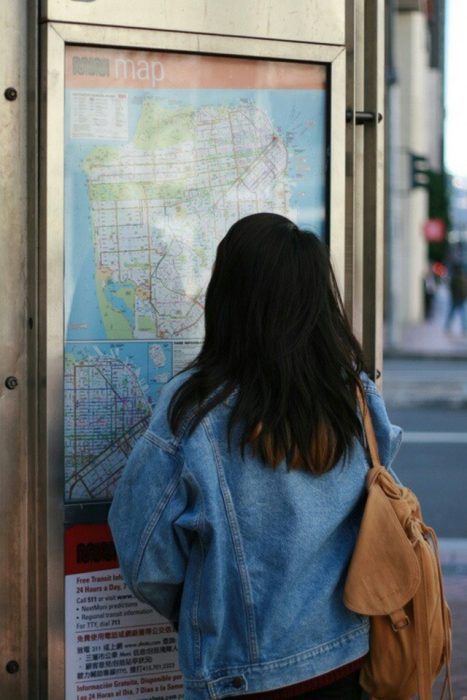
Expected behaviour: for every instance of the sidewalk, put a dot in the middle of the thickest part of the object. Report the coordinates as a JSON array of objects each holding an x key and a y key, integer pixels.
[
  {"x": 428, "y": 339},
  {"x": 429, "y": 366},
  {"x": 455, "y": 590},
  {"x": 454, "y": 562}
]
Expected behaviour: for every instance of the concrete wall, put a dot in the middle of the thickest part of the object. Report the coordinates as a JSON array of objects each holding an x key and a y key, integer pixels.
[{"x": 410, "y": 99}]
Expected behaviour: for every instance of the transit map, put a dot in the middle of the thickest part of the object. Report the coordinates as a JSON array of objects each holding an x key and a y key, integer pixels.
[{"x": 163, "y": 153}]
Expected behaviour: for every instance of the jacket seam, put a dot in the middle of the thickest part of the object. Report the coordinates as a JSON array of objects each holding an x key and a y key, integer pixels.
[
  {"x": 152, "y": 522},
  {"x": 245, "y": 587},
  {"x": 173, "y": 444},
  {"x": 284, "y": 661},
  {"x": 160, "y": 442},
  {"x": 182, "y": 429},
  {"x": 200, "y": 522}
]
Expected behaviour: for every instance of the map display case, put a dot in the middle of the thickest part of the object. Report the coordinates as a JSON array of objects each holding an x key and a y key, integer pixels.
[
  {"x": 90, "y": 335},
  {"x": 155, "y": 143}
]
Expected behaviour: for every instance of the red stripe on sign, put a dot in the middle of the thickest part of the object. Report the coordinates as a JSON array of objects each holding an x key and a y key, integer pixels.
[{"x": 89, "y": 548}]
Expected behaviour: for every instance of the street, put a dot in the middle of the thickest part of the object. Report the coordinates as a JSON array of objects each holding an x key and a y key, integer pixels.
[
  {"x": 434, "y": 466},
  {"x": 428, "y": 399}
]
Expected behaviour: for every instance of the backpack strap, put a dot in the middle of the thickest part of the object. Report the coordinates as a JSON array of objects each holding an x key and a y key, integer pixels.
[{"x": 368, "y": 430}]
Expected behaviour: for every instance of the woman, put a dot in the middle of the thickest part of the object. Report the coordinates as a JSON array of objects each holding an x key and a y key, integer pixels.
[{"x": 238, "y": 511}]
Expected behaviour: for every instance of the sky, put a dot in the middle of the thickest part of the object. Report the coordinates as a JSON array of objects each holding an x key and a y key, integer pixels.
[{"x": 456, "y": 88}]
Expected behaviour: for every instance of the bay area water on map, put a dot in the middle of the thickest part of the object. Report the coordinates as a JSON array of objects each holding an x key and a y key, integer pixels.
[{"x": 153, "y": 181}]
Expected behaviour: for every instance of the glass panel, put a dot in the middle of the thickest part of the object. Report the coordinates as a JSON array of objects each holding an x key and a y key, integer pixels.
[{"x": 163, "y": 153}]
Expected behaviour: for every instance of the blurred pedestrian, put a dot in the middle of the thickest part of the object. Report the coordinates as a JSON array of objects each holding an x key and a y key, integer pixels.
[
  {"x": 458, "y": 290},
  {"x": 429, "y": 289},
  {"x": 238, "y": 511}
]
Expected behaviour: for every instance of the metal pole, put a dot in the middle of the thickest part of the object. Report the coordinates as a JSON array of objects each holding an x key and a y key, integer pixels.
[{"x": 373, "y": 208}]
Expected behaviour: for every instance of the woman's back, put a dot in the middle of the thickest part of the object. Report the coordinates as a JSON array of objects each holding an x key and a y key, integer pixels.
[{"x": 248, "y": 562}]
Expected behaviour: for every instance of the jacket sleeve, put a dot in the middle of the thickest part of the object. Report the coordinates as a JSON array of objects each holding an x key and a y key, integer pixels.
[
  {"x": 147, "y": 523},
  {"x": 388, "y": 436}
]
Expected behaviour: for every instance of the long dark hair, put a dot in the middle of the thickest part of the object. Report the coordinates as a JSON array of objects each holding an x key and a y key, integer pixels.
[{"x": 276, "y": 332}]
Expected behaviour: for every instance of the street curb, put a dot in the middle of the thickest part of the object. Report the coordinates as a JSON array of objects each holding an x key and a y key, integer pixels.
[
  {"x": 417, "y": 355},
  {"x": 394, "y": 404}
]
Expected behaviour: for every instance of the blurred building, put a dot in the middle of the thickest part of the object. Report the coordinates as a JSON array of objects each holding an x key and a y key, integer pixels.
[
  {"x": 415, "y": 116},
  {"x": 458, "y": 210}
]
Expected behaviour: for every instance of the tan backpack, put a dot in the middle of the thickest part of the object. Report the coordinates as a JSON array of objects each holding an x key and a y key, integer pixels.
[{"x": 395, "y": 578}]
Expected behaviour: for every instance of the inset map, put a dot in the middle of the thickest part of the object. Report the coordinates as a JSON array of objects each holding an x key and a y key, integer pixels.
[{"x": 110, "y": 390}]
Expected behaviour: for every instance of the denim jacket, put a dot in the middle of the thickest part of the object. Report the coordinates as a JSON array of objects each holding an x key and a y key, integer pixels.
[{"x": 248, "y": 562}]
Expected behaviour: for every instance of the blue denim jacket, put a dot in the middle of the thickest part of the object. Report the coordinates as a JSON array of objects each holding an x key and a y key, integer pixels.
[{"x": 248, "y": 562}]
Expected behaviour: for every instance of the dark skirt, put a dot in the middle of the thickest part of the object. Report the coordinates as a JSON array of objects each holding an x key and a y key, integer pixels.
[{"x": 347, "y": 688}]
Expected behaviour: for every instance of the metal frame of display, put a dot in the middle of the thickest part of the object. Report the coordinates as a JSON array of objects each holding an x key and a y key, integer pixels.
[
  {"x": 18, "y": 228},
  {"x": 317, "y": 21}
]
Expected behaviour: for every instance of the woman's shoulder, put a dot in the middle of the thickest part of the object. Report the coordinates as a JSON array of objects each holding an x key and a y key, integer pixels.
[
  {"x": 369, "y": 385},
  {"x": 389, "y": 436},
  {"x": 159, "y": 424},
  {"x": 170, "y": 388}
]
